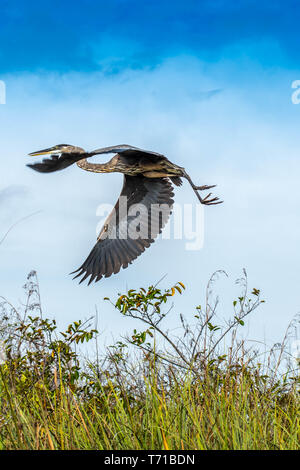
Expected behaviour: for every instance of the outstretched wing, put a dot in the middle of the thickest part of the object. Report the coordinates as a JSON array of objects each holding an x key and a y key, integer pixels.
[
  {"x": 127, "y": 150},
  {"x": 60, "y": 160},
  {"x": 142, "y": 210}
]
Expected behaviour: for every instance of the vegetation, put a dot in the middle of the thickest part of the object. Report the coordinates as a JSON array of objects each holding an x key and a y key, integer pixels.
[{"x": 204, "y": 389}]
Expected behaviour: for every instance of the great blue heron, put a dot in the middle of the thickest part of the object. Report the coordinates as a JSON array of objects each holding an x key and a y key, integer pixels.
[{"x": 148, "y": 178}]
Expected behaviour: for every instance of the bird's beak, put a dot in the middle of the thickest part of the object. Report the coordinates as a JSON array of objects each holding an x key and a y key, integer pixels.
[{"x": 48, "y": 151}]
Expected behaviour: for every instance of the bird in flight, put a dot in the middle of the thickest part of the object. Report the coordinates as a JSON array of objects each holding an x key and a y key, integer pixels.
[{"x": 148, "y": 185}]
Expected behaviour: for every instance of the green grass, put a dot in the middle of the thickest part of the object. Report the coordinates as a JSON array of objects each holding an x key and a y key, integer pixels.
[
  {"x": 198, "y": 415},
  {"x": 183, "y": 395}
]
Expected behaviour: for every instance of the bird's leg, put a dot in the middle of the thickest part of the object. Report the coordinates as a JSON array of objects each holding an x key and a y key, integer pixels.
[
  {"x": 206, "y": 200},
  {"x": 205, "y": 187}
]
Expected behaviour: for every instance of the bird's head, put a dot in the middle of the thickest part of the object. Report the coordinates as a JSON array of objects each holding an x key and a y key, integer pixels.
[
  {"x": 61, "y": 156},
  {"x": 58, "y": 149}
]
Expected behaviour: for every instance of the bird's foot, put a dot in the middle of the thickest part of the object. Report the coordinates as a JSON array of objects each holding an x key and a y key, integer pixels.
[
  {"x": 207, "y": 200},
  {"x": 210, "y": 202}
]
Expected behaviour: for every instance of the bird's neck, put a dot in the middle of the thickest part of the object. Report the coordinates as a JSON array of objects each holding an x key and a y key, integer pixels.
[{"x": 95, "y": 167}]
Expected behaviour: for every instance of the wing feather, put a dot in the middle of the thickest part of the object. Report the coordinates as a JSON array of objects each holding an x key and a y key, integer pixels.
[
  {"x": 56, "y": 162},
  {"x": 128, "y": 150},
  {"x": 112, "y": 251}
]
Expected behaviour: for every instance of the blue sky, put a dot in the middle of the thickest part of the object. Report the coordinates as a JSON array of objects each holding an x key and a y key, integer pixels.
[
  {"x": 206, "y": 83},
  {"x": 78, "y": 36}
]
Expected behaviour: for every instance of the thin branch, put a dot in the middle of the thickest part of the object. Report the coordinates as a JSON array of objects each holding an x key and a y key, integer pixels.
[{"x": 16, "y": 223}]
